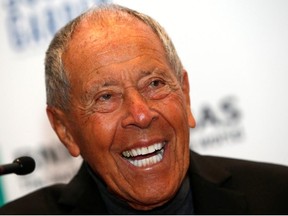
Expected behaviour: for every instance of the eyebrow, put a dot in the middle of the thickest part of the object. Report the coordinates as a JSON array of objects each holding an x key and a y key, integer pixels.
[
  {"x": 156, "y": 71},
  {"x": 161, "y": 72},
  {"x": 95, "y": 85},
  {"x": 144, "y": 73}
]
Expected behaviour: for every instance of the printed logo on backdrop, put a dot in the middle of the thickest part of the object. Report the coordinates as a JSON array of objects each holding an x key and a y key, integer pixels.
[
  {"x": 217, "y": 125},
  {"x": 33, "y": 22},
  {"x": 1, "y": 194},
  {"x": 53, "y": 164}
]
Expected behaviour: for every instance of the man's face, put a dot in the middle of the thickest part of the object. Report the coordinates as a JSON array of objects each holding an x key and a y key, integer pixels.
[{"x": 129, "y": 115}]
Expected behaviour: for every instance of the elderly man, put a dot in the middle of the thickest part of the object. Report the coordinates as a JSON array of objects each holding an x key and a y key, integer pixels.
[{"x": 117, "y": 95}]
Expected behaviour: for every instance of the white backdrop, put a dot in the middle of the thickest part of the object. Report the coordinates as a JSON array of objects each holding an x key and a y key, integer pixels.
[{"x": 236, "y": 53}]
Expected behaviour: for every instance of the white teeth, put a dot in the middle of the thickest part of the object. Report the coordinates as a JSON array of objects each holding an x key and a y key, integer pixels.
[
  {"x": 145, "y": 151},
  {"x": 148, "y": 161}
]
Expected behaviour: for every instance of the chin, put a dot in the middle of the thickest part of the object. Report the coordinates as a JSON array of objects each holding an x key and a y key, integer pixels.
[
  {"x": 155, "y": 195},
  {"x": 150, "y": 203}
]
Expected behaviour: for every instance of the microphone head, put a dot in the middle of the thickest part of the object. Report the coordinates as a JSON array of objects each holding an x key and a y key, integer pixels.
[{"x": 26, "y": 165}]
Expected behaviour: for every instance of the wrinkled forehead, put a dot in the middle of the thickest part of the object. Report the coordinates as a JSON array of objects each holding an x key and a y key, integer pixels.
[
  {"x": 101, "y": 28},
  {"x": 95, "y": 37},
  {"x": 95, "y": 44}
]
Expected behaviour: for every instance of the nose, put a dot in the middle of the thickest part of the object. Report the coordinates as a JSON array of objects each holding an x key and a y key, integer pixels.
[{"x": 138, "y": 111}]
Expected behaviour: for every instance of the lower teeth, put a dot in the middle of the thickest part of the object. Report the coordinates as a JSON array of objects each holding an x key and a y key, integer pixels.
[{"x": 148, "y": 161}]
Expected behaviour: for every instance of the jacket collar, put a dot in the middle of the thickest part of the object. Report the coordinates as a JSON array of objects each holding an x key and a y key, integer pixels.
[
  {"x": 81, "y": 195},
  {"x": 209, "y": 194}
]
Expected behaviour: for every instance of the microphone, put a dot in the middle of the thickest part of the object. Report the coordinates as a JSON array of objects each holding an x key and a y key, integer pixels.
[{"x": 20, "y": 166}]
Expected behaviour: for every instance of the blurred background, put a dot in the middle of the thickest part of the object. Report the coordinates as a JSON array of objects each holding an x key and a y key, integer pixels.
[{"x": 236, "y": 54}]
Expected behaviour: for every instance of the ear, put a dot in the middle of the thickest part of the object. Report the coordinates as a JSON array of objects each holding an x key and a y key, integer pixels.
[
  {"x": 186, "y": 91},
  {"x": 59, "y": 122}
]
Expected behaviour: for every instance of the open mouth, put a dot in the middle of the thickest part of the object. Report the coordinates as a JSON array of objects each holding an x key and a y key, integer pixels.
[{"x": 145, "y": 156}]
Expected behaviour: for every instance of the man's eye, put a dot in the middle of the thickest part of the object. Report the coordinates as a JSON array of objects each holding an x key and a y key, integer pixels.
[
  {"x": 105, "y": 97},
  {"x": 157, "y": 89},
  {"x": 157, "y": 83}
]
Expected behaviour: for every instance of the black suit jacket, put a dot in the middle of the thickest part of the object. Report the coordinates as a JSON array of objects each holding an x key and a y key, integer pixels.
[{"x": 219, "y": 186}]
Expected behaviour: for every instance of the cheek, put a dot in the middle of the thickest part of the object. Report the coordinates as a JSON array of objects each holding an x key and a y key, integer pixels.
[
  {"x": 95, "y": 137},
  {"x": 173, "y": 109},
  {"x": 96, "y": 146},
  {"x": 174, "y": 112}
]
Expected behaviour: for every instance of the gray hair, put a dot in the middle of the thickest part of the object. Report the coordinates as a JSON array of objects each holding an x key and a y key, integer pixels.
[{"x": 57, "y": 79}]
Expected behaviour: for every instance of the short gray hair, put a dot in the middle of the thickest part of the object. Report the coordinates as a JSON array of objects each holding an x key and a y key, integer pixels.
[{"x": 57, "y": 79}]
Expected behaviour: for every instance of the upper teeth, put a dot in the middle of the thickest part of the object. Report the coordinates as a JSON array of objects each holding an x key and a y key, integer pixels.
[{"x": 143, "y": 150}]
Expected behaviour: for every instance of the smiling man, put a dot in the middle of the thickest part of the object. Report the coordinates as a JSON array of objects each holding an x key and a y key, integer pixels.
[
  {"x": 118, "y": 96},
  {"x": 128, "y": 113},
  {"x": 128, "y": 110}
]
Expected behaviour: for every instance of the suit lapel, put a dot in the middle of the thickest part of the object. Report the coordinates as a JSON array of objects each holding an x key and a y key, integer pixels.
[
  {"x": 81, "y": 195},
  {"x": 209, "y": 195}
]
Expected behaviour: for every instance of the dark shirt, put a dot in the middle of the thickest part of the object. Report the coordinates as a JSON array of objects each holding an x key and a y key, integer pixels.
[{"x": 180, "y": 204}]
